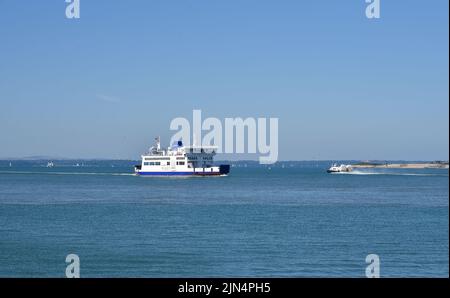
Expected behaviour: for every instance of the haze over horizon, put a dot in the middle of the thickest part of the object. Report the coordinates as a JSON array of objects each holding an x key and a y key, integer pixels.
[{"x": 343, "y": 87}]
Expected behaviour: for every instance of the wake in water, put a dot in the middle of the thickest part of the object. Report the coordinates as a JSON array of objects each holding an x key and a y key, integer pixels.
[
  {"x": 354, "y": 172},
  {"x": 359, "y": 172}
]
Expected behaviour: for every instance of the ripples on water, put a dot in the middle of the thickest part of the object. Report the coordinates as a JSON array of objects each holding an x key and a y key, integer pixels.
[{"x": 296, "y": 221}]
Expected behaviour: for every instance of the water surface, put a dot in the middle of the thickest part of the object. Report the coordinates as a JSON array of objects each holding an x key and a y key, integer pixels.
[{"x": 296, "y": 221}]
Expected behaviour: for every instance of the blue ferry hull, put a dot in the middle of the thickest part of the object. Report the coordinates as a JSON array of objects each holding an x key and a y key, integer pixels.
[
  {"x": 177, "y": 174},
  {"x": 223, "y": 170}
]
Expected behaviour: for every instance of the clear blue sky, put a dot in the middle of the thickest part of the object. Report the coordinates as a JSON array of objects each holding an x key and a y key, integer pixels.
[{"x": 343, "y": 86}]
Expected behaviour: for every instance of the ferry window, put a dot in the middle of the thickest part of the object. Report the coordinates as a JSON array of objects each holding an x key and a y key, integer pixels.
[
  {"x": 168, "y": 163},
  {"x": 158, "y": 163}
]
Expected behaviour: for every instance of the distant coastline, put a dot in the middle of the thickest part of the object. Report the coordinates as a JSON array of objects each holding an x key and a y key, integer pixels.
[{"x": 386, "y": 164}]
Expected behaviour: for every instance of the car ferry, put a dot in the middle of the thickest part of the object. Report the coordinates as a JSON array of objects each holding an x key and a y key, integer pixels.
[{"x": 180, "y": 160}]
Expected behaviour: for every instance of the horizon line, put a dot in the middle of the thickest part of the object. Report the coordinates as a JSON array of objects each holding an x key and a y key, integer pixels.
[{"x": 40, "y": 158}]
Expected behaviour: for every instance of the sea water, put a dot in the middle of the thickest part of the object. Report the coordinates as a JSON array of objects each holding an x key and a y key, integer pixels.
[{"x": 293, "y": 220}]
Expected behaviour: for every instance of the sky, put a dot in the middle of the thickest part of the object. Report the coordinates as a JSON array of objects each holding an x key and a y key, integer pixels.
[{"x": 343, "y": 86}]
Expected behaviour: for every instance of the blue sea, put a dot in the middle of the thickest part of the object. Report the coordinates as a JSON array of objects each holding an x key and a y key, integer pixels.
[{"x": 287, "y": 220}]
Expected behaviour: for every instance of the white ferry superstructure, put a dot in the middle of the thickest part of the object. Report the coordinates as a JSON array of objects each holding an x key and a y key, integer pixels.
[{"x": 180, "y": 160}]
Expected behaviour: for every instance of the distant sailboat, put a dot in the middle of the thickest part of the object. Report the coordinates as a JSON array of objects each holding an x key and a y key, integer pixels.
[{"x": 50, "y": 164}]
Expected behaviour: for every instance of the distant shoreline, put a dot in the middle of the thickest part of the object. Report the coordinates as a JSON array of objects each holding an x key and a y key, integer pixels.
[{"x": 356, "y": 164}]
